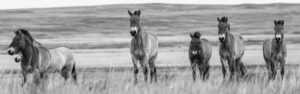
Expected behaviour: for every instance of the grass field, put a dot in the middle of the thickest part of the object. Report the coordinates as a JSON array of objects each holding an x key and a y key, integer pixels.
[{"x": 99, "y": 37}]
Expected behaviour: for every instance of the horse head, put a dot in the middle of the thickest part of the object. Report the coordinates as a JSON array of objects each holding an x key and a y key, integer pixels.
[
  {"x": 279, "y": 30},
  {"x": 18, "y": 43},
  {"x": 195, "y": 45},
  {"x": 223, "y": 27},
  {"x": 135, "y": 22}
]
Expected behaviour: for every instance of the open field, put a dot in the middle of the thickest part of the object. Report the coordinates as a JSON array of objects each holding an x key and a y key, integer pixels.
[
  {"x": 99, "y": 37},
  {"x": 170, "y": 81}
]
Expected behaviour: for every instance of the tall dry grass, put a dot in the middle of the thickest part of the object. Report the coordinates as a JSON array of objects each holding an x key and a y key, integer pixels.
[{"x": 170, "y": 81}]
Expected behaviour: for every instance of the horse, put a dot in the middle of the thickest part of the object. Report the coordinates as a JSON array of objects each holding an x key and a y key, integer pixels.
[
  {"x": 231, "y": 49},
  {"x": 19, "y": 55},
  {"x": 143, "y": 47},
  {"x": 40, "y": 61},
  {"x": 274, "y": 50},
  {"x": 199, "y": 54}
]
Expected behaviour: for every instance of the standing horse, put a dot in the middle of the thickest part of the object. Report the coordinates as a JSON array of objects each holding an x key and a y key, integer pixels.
[
  {"x": 144, "y": 47},
  {"x": 199, "y": 55},
  {"x": 39, "y": 61},
  {"x": 231, "y": 49},
  {"x": 274, "y": 50}
]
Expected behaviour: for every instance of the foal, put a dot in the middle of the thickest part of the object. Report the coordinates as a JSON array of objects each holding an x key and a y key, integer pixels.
[
  {"x": 274, "y": 50},
  {"x": 199, "y": 55}
]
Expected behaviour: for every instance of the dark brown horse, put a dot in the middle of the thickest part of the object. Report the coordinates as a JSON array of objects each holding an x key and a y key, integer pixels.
[
  {"x": 199, "y": 55},
  {"x": 38, "y": 60},
  {"x": 25, "y": 32},
  {"x": 231, "y": 49},
  {"x": 144, "y": 47},
  {"x": 274, "y": 50}
]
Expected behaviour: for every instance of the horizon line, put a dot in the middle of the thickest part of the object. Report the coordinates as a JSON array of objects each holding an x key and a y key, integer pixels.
[{"x": 142, "y": 4}]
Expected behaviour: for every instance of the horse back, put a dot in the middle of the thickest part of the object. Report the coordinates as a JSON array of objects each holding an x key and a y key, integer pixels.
[{"x": 61, "y": 57}]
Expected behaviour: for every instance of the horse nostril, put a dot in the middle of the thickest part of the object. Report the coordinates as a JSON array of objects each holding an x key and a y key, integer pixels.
[
  {"x": 133, "y": 33},
  {"x": 221, "y": 38},
  {"x": 9, "y": 52}
]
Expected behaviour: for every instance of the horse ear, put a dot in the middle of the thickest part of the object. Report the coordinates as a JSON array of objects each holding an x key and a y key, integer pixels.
[
  {"x": 192, "y": 36},
  {"x": 139, "y": 12},
  {"x": 275, "y": 22},
  {"x": 226, "y": 19},
  {"x": 218, "y": 19},
  {"x": 130, "y": 13},
  {"x": 197, "y": 34},
  {"x": 282, "y": 22},
  {"x": 15, "y": 32}
]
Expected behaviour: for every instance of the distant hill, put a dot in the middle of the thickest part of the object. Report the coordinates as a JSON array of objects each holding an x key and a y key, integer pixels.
[{"x": 162, "y": 19}]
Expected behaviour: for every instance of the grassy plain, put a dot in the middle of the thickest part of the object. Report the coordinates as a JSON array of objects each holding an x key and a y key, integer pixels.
[{"x": 99, "y": 36}]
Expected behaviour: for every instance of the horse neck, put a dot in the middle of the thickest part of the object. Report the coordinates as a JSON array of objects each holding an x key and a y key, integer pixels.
[
  {"x": 278, "y": 45},
  {"x": 27, "y": 52},
  {"x": 139, "y": 38},
  {"x": 227, "y": 43}
]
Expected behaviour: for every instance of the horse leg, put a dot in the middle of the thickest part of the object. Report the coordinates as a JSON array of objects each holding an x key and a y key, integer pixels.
[
  {"x": 272, "y": 65},
  {"x": 206, "y": 72},
  {"x": 223, "y": 67},
  {"x": 282, "y": 68},
  {"x": 24, "y": 74},
  {"x": 73, "y": 73},
  {"x": 145, "y": 66},
  {"x": 194, "y": 65},
  {"x": 268, "y": 64},
  {"x": 37, "y": 77},
  {"x": 66, "y": 73},
  {"x": 232, "y": 68},
  {"x": 135, "y": 69},
  {"x": 153, "y": 68},
  {"x": 241, "y": 67}
]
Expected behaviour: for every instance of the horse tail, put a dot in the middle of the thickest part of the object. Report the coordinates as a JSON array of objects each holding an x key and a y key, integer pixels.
[{"x": 74, "y": 72}]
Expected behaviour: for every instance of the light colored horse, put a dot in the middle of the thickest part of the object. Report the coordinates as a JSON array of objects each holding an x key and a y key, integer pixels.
[
  {"x": 274, "y": 50},
  {"x": 199, "y": 54},
  {"x": 231, "y": 49},
  {"x": 39, "y": 61},
  {"x": 144, "y": 47}
]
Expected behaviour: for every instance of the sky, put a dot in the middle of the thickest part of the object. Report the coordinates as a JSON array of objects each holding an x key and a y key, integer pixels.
[{"x": 19, "y": 4}]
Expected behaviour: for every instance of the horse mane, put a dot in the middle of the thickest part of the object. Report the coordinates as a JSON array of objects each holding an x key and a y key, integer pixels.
[
  {"x": 26, "y": 33},
  {"x": 280, "y": 22},
  {"x": 224, "y": 19},
  {"x": 197, "y": 35}
]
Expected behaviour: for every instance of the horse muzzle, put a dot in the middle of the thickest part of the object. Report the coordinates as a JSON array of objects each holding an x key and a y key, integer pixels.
[
  {"x": 278, "y": 37},
  {"x": 221, "y": 37},
  {"x": 133, "y": 33},
  {"x": 17, "y": 59},
  {"x": 11, "y": 51}
]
